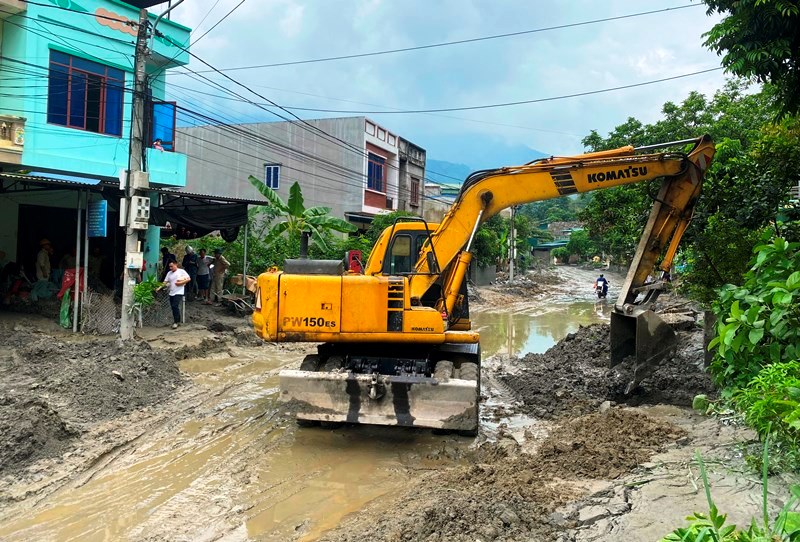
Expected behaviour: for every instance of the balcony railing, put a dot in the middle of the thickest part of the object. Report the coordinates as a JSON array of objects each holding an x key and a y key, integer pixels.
[{"x": 12, "y": 139}]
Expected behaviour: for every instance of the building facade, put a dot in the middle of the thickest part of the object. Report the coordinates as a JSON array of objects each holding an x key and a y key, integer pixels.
[
  {"x": 353, "y": 165},
  {"x": 65, "y": 114}
]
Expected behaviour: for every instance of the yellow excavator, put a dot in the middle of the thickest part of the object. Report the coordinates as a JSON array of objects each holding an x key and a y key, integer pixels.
[{"x": 396, "y": 344}]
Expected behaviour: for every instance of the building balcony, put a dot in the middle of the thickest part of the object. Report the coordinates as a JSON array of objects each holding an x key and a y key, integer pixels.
[
  {"x": 166, "y": 168},
  {"x": 11, "y": 7},
  {"x": 12, "y": 139}
]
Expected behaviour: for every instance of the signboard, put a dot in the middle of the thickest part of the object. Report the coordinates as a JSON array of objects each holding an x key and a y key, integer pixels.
[{"x": 97, "y": 218}]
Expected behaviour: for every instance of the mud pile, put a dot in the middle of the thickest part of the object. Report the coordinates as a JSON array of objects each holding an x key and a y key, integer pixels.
[
  {"x": 504, "y": 495},
  {"x": 50, "y": 390},
  {"x": 604, "y": 445},
  {"x": 573, "y": 377}
]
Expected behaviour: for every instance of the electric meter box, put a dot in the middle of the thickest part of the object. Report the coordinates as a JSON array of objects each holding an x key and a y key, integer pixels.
[{"x": 140, "y": 212}]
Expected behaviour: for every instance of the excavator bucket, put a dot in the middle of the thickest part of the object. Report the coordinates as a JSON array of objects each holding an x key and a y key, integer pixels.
[
  {"x": 412, "y": 401},
  {"x": 644, "y": 336}
]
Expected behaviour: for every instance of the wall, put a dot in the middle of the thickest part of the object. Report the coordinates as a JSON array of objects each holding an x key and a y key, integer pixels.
[
  {"x": 29, "y": 38},
  {"x": 219, "y": 162},
  {"x": 384, "y": 143},
  {"x": 412, "y": 166}
]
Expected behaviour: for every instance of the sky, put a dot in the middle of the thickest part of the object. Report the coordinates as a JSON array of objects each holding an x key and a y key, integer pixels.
[{"x": 541, "y": 65}]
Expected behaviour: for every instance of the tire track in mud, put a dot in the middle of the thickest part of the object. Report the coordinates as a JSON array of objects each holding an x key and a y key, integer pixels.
[{"x": 133, "y": 442}]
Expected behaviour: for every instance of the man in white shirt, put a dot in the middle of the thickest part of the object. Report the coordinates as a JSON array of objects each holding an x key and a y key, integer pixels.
[{"x": 175, "y": 280}]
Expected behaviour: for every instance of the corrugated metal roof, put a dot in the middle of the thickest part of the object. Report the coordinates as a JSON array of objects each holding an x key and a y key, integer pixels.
[
  {"x": 37, "y": 179},
  {"x": 95, "y": 184},
  {"x": 211, "y": 197}
]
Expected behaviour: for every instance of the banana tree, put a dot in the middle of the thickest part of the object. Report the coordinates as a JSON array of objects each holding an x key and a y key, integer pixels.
[{"x": 295, "y": 220}]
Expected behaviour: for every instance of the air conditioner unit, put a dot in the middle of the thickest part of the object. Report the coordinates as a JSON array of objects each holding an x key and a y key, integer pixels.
[{"x": 390, "y": 203}]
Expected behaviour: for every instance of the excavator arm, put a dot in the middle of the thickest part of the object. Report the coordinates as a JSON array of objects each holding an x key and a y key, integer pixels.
[{"x": 486, "y": 193}]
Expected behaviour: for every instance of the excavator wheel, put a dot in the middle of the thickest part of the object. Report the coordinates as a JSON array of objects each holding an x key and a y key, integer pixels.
[
  {"x": 444, "y": 370},
  {"x": 333, "y": 363},
  {"x": 310, "y": 363},
  {"x": 468, "y": 371}
]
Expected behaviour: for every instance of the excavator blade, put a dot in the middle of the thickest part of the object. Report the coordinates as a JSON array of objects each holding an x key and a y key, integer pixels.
[
  {"x": 646, "y": 337},
  {"x": 412, "y": 401}
]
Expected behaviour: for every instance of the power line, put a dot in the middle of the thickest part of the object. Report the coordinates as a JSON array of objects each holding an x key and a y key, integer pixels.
[
  {"x": 455, "y": 42},
  {"x": 192, "y": 43},
  {"x": 397, "y": 109},
  {"x": 327, "y": 165},
  {"x": 207, "y": 14},
  {"x": 507, "y": 104},
  {"x": 218, "y": 22}
]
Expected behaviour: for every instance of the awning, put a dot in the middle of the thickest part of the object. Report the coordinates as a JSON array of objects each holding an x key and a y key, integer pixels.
[{"x": 190, "y": 215}]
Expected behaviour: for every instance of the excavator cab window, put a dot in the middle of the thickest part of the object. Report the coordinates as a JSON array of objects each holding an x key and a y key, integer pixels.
[
  {"x": 400, "y": 257},
  {"x": 404, "y": 251}
]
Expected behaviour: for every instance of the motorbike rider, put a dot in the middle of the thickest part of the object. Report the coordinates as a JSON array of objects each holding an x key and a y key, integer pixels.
[{"x": 602, "y": 284}]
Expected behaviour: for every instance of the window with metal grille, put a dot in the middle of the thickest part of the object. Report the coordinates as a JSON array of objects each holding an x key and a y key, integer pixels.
[
  {"x": 272, "y": 175},
  {"x": 376, "y": 172},
  {"x": 414, "y": 200},
  {"x": 85, "y": 95}
]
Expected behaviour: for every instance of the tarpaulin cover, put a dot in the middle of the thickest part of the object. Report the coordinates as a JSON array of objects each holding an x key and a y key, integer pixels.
[{"x": 192, "y": 221}]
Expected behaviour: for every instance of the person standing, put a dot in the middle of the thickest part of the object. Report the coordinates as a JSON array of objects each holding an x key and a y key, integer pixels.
[
  {"x": 221, "y": 266},
  {"x": 204, "y": 275},
  {"x": 189, "y": 264},
  {"x": 166, "y": 257},
  {"x": 176, "y": 280},
  {"x": 43, "y": 260}
]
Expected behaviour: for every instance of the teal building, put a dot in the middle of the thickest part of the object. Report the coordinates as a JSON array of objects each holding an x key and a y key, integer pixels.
[{"x": 66, "y": 87}]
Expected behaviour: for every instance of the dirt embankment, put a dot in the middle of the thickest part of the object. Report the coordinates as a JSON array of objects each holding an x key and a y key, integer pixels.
[
  {"x": 52, "y": 389},
  {"x": 574, "y": 376},
  {"x": 505, "y": 495}
]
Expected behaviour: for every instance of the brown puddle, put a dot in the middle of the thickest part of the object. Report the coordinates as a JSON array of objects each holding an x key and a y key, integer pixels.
[{"x": 518, "y": 331}]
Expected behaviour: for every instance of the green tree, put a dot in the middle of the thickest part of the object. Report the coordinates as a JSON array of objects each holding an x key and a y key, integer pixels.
[
  {"x": 293, "y": 218},
  {"x": 748, "y": 181},
  {"x": 760, "y": 39},
  {"x": 580, "y": 244},
  {"x": 490, "y": 241}
]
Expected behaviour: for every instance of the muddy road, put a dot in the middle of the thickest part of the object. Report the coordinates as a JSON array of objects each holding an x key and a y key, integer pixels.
[{"x": 182, "y": 439}]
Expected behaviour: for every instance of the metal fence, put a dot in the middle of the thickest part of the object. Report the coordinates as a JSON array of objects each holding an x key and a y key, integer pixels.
[{"x": 102, "y": 312}]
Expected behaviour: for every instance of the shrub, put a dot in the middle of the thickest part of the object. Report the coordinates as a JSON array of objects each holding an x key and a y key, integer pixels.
[{"x": 759, "y": 322}]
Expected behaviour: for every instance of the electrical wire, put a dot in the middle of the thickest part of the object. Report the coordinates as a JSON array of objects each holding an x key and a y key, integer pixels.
[
  {"x": 508, "y": 104},
  {"x": 455, "y": 42},
  {"x": 218, "y": 23},
  {"x": 398, "y": 109}
]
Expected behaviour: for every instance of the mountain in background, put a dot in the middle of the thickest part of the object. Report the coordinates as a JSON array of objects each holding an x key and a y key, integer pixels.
[
  {"x": 459, "y": 156},
  {"x": 441, "y": 171}
]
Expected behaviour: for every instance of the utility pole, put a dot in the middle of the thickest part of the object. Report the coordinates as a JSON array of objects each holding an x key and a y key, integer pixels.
[
  {"x": 136, "y": 210},
  {"x": 512, "y": 246}
]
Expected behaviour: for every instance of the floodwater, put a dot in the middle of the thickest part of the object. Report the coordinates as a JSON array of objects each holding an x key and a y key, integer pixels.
[
  {"x": 229, "y": 466},
  {"x": 233, "y": 466},
  {"x": 516, "y": 331}
]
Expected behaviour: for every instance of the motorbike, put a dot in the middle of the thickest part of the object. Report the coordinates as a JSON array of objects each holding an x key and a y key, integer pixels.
[{"x": 601, "y": 294}]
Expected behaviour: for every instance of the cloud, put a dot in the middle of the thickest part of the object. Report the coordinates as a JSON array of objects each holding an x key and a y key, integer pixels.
[
  {"x": 291, "y": 23},
  {"x": 538, "y": 65}
]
